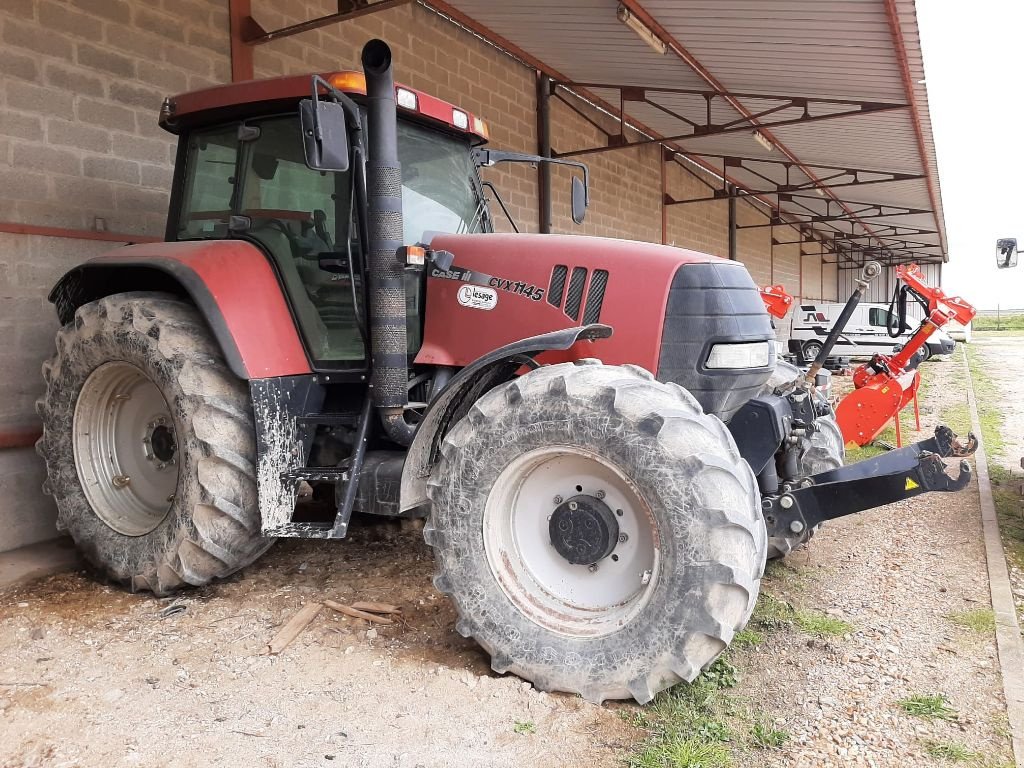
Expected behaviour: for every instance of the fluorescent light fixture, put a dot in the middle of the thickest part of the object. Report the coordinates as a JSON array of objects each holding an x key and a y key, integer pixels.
[
  {"x": 761, "y": 139},
  {"x": 641, "y": 29},
  {"x": 755, "y": 354}
]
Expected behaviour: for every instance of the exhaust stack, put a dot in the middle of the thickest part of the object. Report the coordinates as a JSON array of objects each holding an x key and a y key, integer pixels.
[{"x": 388, "y": 350}]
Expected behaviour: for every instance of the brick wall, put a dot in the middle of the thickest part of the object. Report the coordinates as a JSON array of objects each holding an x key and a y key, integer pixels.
[{"x": 81, "y": 82}]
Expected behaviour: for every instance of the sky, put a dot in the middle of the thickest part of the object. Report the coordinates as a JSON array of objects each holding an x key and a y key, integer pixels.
[{"x": 974, "y": 73}]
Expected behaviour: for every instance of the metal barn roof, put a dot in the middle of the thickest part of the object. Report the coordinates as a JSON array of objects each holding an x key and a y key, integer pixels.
[{"x": 834, "y": 88}]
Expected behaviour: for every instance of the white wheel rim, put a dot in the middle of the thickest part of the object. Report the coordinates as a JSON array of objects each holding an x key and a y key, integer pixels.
[
  {"x": 573, "y": 600},
  {"x": 125, "y": 448}
]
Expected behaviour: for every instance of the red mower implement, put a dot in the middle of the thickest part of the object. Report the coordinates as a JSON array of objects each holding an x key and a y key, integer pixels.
[{"x": 888, "y": 383}]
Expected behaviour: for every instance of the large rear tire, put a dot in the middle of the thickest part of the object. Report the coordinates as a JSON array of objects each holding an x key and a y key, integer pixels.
[
  {"x": 688, "y": 537},
  {"x": 149, "y": 445}
]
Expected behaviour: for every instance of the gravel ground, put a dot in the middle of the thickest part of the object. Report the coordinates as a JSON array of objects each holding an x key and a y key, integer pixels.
[
  {"x": 895, "y": 574},
  {"x": 91, "y": 676},
  {"x": 1001, "y": 354}
]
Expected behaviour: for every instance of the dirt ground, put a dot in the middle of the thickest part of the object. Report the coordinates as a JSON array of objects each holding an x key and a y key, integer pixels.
[
  {"x": 1001, "y": 354},
  {"x": 92, "y": 676},
  {"x": 896, "y": 574}
]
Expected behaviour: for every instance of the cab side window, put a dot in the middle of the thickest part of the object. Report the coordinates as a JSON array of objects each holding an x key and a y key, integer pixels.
[{"x": 878, "y": 317}]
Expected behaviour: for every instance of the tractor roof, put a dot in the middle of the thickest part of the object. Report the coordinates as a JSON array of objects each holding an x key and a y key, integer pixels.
[{"x": 253, "y": 97}]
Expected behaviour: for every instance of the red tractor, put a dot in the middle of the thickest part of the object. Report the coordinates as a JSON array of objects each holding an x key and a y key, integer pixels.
[{"x": 332, "y": 312}]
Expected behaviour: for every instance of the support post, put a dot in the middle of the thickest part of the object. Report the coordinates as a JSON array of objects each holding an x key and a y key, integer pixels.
[
  {"x": 544, "y": 150},
  {"x": 241, "y": 52},
  {"x": 663, "y": 169},
  {"x": 732, "y": 223}
]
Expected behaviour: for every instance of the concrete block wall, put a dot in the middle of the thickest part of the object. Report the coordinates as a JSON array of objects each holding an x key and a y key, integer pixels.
[{"x": 81, "y": 83}]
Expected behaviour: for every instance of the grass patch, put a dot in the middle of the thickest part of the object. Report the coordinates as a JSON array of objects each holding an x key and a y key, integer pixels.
[
  {"x": 772, "y": 613},
  {"x": 748, "y": 638},
  {"x": 950, "y": 751},
  {"x": 929, "y": 707},
  {"x": 765, "y": 737},
  {"x": 1013, "y": 322},
  {"x": 688, "y": 724},
  {"x": 683, "y": 752},
  {"x": 814, "y": 623},
  {"x": 979, "y": 620},
  {"x": 524, "y": 728}
]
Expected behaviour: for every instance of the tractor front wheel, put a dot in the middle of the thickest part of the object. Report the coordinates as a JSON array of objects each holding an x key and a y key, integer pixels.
[
  {"x": 149, "y": 445},
  {"x": 598, "y": 533}
]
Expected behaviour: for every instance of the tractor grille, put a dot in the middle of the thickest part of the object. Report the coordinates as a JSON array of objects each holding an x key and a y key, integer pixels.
[
  {"x": 557, "y": 285},
  {"x": 712, "y": 304},
  {"x": 595, "y": 296},
  {"x": 574, "y": 295}
]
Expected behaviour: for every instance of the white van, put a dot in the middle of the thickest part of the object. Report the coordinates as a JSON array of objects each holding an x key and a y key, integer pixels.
[
  {"x": 866, "y": 332},
  {"x": 959, "y": 332}
]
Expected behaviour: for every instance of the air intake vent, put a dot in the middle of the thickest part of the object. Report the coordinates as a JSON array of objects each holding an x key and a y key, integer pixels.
[
  {"x": 557, "y": 285},
  {"x": 595, "y": 296},
  {"x": 574, "y": 296}
]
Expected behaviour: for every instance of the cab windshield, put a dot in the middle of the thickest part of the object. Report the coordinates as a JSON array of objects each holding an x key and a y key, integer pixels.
[{"x": 258, "y": 171}]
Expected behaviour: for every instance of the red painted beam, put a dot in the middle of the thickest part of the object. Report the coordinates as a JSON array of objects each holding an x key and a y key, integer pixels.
[
  {"x": 15, "y": 228},
  {"x": 242, "y": 67},
  {"x": 908, "y": 87},
  {"x": 19, "y": 437}
]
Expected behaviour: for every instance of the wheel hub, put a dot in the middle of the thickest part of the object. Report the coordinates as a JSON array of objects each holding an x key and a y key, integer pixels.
[
  {"x": 125, "y": 448},
  {"x": 159, "y": 443},
  {"x": 583, "y": 530}
]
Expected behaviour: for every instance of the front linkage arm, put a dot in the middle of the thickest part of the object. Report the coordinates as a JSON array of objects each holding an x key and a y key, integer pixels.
[{"x": 893, "y": 476}]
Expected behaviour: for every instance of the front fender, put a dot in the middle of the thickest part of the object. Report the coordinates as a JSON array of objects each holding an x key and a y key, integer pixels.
[
  {"x": 464, "y": 389},
  {"x": 231, "y": 283}
]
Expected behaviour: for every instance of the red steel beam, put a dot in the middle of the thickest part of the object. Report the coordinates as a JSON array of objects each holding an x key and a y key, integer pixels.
[
  {"x": 690, "y": 60},
  {"x": 15, "y": 228},
  {"x": 896, "y": 32},
  {"x": 19, "y": 437},
  {"x": 242, "y": 67}
]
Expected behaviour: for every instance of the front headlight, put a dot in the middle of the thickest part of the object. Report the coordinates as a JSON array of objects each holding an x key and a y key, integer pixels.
[{"x": 754, "y": 354}]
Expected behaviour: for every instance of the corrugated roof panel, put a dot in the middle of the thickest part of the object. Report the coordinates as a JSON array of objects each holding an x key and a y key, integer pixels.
[{"x": 840, "y": 49}]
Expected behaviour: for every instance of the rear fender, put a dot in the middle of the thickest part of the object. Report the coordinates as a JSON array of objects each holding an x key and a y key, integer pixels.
[
  {"x": 464, "y": 389},
  {"x": 231, "y": 283}
]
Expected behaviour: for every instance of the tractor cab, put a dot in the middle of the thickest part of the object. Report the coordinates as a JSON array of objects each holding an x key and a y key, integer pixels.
[{"x": 242, "y": 174}]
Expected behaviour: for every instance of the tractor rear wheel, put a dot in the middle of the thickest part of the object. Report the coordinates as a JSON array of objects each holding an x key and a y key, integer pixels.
[
  {"x": 597, "y": 532},
  {"x": 149, "y": 445}
]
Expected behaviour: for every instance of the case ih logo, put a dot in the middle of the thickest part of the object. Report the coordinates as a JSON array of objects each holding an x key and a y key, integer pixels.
[{"x": 811, "y": 317}]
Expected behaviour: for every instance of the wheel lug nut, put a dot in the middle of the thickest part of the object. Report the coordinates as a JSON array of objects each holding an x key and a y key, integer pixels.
[
  {"x": 796, "y": 526},
  {"x": 592, "y": 567},
  {"x": 645, "y": 577},
  {"x": 623, "y": 538},
  {"x": 558, "y": 499},
  {"x": 599, "y": 494}
]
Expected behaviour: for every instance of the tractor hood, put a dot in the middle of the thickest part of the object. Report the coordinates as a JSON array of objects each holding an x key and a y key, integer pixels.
[{"x": 666, "y": 305}]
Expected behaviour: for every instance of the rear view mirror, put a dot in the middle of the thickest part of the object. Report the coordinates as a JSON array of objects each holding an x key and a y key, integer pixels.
[
  {"x": 324, "y": 135},
  {"x": 579, "y": 200},
  {"x": 1007, "y": 253}
]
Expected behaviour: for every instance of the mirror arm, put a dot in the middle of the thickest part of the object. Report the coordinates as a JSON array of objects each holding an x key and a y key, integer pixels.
[
  {"x": 501, "y": 203},
  {"x": 485, "y": 158},
  {"x": 350, "y": 107}
]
